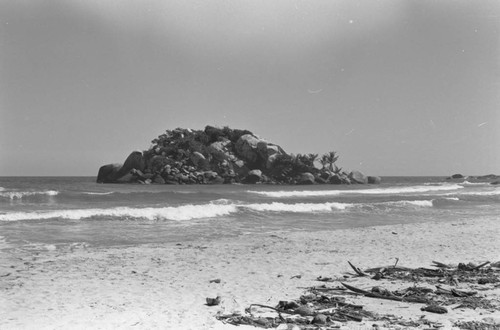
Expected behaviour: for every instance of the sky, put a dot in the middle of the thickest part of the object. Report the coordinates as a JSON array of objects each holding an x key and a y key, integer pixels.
[{"x": 394, "y": 87}]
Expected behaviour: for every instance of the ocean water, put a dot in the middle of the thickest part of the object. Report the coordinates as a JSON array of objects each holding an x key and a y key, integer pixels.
[{"x": 49, "y": 213}]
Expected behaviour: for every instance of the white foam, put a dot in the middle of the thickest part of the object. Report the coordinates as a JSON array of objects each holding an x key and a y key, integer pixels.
[
  {"x": 495, "y": 192},
  {"x": 467, "y": 183},
  {"x": 184, "y": 212},
  {"x": 419, "y": 203},
  {"x": 376, "y": 191},
  {"x": 20, "y": 194},
  {"x": 298, "y": 207},
  {"x": 98, "y": 193}
]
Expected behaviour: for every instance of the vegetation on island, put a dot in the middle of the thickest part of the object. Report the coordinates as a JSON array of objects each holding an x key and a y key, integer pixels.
[{"x": 225, "y": 155}]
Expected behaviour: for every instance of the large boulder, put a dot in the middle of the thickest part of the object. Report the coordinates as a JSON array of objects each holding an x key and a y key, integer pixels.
[
  {"x": 198, "y": 159},
  {"x": 335, "y": 179},
  {"x": 133, "y": 161},
  {"x": 306, "y": 178},
  {"x": 257, "y": 152},
  {"x": 107, "y": 173},
  {"x": 268, "y": 152},
  {"x": 219, "y": 150},
  {"x": 358, "y": 177},
  {"x": 246, "y": 148},
  {"x": 253, "y": 176}
]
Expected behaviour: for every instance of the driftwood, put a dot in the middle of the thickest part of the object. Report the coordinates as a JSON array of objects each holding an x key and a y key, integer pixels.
[
  {"x": 387, "y": 297},
  {"x": 326, "y": 305},
  {"x": 434, "y": 309},
  {"x": 357, "y": 270}
]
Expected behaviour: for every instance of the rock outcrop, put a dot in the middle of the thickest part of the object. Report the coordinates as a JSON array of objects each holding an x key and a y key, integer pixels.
[
  {"x": 223, "y": 155},
  {"x": 358, "y": 177}
]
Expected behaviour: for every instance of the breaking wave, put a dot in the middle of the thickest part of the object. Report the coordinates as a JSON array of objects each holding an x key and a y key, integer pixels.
[
  {"x": 98, "y": 193},
  {"x": 376, "y": 191},
  {"x": 184, "y": 212},
  {"x": 299, "y": 207},
  {"x": 21, "y": 194},
  {"x": 218, "y": 208}
]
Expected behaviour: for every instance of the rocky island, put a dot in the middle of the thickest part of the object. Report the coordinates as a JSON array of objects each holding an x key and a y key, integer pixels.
[{"x": 225, "y": 155}]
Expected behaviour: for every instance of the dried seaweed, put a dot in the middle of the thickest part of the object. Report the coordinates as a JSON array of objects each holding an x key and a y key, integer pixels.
[
  {"x": 323, "y": 305},
  {"x": 476, "y": 325}
]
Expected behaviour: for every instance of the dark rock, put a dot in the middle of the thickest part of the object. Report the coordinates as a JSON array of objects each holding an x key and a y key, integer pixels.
[
  {"x": 325, "y": 175},
  {"x": 107, "y": 173},
  {"x": 457, "y": 176},
  {"x": 134, "y": 160},
  {"x": 358, "y": 177},
  {"x": 345, "y": 179},
  {"x": 304, "y": 311},
  {"x": 268, "y": 152},
  {"x": 335, "y": 179},
  {"x": 158, "y": 179},
  {"x": 374, "y": 179},
  {"x": 217, "y": 180},
  {"x": 306, "y": 178},
  {"x": 320, "y": 180},
  {"x": 129, "y": 177},
  {"x": 488, "y": 177},
  {"x": 210, "y": 175},
  {"x": 219, "y": 150},
  {"x": 434, "y": 309},
  {"x": 213, "y": 301},
  {"x": 286, "y": 305},
  {"x": 495, "y": 182},
  {"x": 197, "y": 158},
  {"x": 320, "y": 319},
  {"x": 253, "y": 176}
]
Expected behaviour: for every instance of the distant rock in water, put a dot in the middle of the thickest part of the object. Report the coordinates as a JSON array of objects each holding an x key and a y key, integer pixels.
[
  {"x": 224, "y": 155},
  {"x": 456, "y": 176},
  {"x": 491, "y": 178}
]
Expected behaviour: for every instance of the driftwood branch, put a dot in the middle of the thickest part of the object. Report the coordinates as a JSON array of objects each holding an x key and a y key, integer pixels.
[
  {"x": 381, "y": 296},
  {"x": 357, "y": 270},
  {"x": 440, "y": 264},
  {"x": 481, "y": 265}
]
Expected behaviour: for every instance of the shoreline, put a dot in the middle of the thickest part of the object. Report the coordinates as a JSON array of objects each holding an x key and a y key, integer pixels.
[{"x": 164, "y": 286}]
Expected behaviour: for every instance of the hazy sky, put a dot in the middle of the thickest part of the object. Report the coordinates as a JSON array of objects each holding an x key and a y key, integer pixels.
[{"x": 395, "y": 87}]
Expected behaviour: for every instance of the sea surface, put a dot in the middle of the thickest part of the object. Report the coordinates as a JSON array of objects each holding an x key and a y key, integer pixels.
[{"x": 50, "y": 213}]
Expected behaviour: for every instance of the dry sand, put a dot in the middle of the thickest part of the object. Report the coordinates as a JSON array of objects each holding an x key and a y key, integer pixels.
[{"x": 165, "y": 286}]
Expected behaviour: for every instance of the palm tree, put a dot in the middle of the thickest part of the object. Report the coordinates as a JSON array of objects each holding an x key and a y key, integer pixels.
[
  {"x": 330, "y": 158},
  {"x": 323, "y": 161},
  {"x": 311, "y": 158}
]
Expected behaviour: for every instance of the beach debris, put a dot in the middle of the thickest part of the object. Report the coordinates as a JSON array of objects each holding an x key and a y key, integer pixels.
[
  {"x": 476, "y": 325},
  {"x": 217, "y": 280},
  {"x": 326, "y": 306},
  {"x": 296, "y": 276},
  {"x": 213, "y": 301},
  {"x": 380, "y": 293},
  {"x": 434, "y": 309},
  {"x": 325, "y": 279},
  {"x": 357, "y": 270}
]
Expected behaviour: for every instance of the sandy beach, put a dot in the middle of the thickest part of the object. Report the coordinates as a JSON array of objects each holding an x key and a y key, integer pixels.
[{"x": 165, "y": 286}]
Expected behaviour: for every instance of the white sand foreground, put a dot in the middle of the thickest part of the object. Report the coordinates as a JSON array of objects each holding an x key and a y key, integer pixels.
[{"x": 165, "y": 286}]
